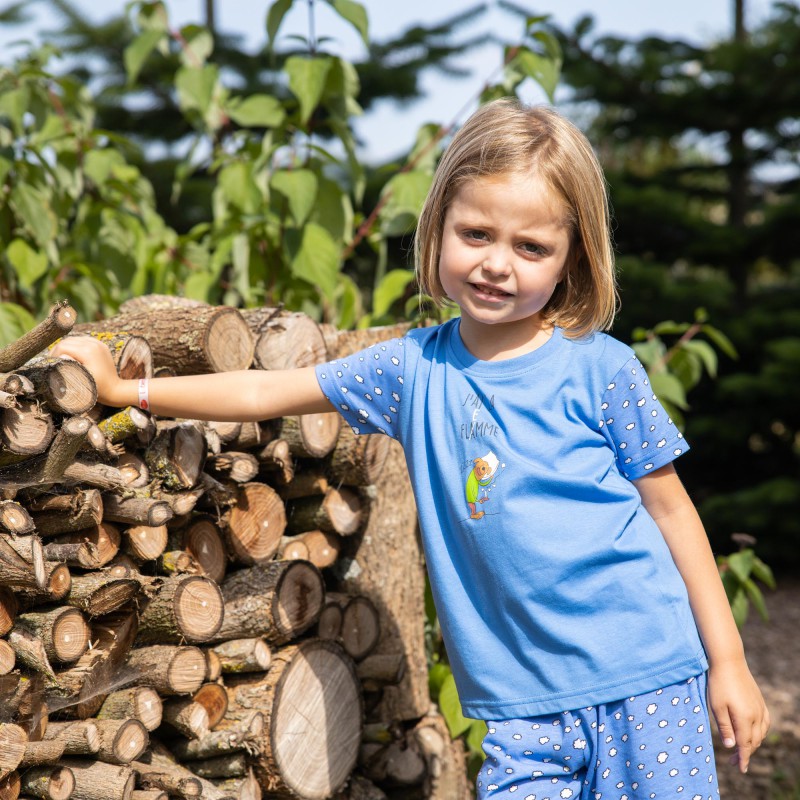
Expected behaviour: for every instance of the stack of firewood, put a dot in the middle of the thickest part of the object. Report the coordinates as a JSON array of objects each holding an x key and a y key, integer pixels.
[{"x": 205, "y": 609}]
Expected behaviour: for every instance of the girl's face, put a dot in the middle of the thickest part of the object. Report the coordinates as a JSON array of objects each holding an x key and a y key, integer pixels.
[{"x": 505, "y": 245}]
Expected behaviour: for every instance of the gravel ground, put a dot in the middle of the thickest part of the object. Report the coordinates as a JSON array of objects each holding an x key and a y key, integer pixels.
[{"x": 773, "y": 652}]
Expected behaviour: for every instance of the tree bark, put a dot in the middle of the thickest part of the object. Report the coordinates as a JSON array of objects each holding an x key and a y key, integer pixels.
[
  {"x": 187, "y": 717},
  {"x": 169, "y": 669},
  {"x": 59, "y": 322},
  {"x": 177, "y": 455},
  {"x": 65, "y": 385},
  {"x": 12, "y": 747},
  {"x": 97, "y": 593},
  {"x": 57, "y": 514},
  {"x": 63, "y": 632},
  {"x": 137, "y": 702},
  {"x": 358, "y": 460},
  {"x": 244, "y": 655},
  {"x": 339, "y": 511},
  {"x": 121, "y": 740},
  {"x": 103, "y": 541},
  {"x": 214, "y": 700},
  {"x": 95, "y": 780},
  {"x": 311, "y": 435},
  {"x": 136, "y": 510},
  {"x": 78, "y": 738},
  {"x": 26, "y": 430},
  {"x": 285, "y": 339}
]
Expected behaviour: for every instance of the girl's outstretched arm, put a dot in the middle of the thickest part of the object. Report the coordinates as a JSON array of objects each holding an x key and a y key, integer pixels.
[
  {"x": 224, "y": 396},
  {"x": 734, "y": 697}
]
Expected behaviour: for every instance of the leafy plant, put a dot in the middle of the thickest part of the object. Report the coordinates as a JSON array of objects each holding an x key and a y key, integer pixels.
[{"x": 739, "y": 572}]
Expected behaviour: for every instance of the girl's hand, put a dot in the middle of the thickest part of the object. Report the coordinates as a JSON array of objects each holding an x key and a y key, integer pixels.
[
  {"x": 739, "y": 709},
  {"x": 94, "y": 355}
]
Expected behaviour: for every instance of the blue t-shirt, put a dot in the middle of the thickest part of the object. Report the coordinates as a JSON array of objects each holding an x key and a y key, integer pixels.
[{"x": 555, "y": 589}]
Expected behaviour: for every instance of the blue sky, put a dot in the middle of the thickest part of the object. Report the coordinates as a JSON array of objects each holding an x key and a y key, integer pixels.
[{"x": 388, "y": 130}]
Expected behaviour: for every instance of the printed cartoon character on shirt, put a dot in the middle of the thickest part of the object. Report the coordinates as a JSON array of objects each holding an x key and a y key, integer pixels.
[{"x": 482, "y": 475}]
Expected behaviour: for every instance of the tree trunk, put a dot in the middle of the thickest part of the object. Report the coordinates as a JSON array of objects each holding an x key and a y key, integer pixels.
[
  {"x": 202, "y": 539},
  {"x": 15, "y": 518},
  {"x": 121, "y": 740},
  {"x": 136, "y": 510}
]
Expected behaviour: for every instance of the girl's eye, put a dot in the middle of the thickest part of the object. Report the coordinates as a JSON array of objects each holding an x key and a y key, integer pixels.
[
  {"x": 532, "y": 249},
  {"x": 477, "y": 235}
]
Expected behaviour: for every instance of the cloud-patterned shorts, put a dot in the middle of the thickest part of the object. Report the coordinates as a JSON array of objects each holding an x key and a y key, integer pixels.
[{"x": 650, "y": 747}]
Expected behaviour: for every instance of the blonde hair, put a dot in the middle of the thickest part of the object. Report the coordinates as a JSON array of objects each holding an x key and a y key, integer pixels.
[{"x": 506, "y": 137}]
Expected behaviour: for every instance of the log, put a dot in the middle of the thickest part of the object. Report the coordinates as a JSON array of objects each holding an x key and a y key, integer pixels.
[
  {"x": 22, "y": 563},
  {"x": 7, "y": 400},
  {"x": 214, "y": 700},
  {"x": 189, "y": 340},
  {"x": 162, "y": 759},
  {"x": 236, "y": 466},
  {"x": 145, "y": 542},
  {"x": 91, "y": 473},
  {"x": 8, "y": 657},
  {"x": 177, "y": 454},
  {"x": 136, "y": 510},
  {"x": 358, "y": 460},
  {"x": 10, "y": 786},
  {"x": 244, "y": 655},
  {"x": 149, "y": 794},
  {"x": 121, "y": 740},
  {"x": 178, "y": 562},
  {"x": 132, "y": 355},
  {"x": 292, "y": 548},
  {"x": 103, "y": 540},
  {"x": 251, "y": 434},
  {"x": 377, "y": 671},
  {"x": 339, "y": 511},
  {"x": 202, "y": 539},
  {"x": 62, "y": 513},
  {"x": 136, "y": 702},
  {"x": 64, "y": 384},
  {"x": 244, "y": 788},
  {"x": 329, "y": 625},
  {"x": 134, "y": 471},
  {"x": 311, "y": 435},
  {"x": 59, "y": 581},
  {"x": 63, "y": 632},
  {"x": 239, "y": 735},
  {"x": 48, "y": 782},
  {"x": 75, "y": 554},
  {"x": 187, "y": 717},
  {"x": 59, "y": 322},
  {"x": 256, "y": 524},
  {"x": 26, "y": 430},
  {"x": 30, "y": 651},
  {"x": 276, "y": 460},
  {"x": 169, "y": 669},
  {"x": 285, "y": 339},
  {"x": 168, "y": 777},
  {"x": 184, "y": 609},
  {"x": 226, "y": 431},
  {"x": 306, "y": 483},
  {"x": 95, "y": 780},
  {"x": 303, "y": 680},
  {"x": 278, "y": 600},
  {"x": 15, "y": 384},
  {"x": 360, "y": 627},
  {"x": 12, "y": 747},
  {"x": 77, "y": 738},
  {"x": 8, "y": 610},
  {"x": 42, "y": 752},
  {"x": 213, "y": 665},
  {"x": 127, "y": 422},
  {"x": 98, "y": 593},
  {"x": 15, "y": 518},
  {"x": 323, "y": 548}
]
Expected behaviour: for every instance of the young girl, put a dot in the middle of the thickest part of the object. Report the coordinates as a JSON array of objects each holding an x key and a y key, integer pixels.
[{"x": 570, "y": 570}]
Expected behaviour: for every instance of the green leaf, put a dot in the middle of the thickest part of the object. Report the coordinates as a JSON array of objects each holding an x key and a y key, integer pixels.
[
  {"x": 763, "y": 573},
  {"x": 721, "y": 341},
  {"x": 277, "y": 11},
  {"x": 138, "y": 51},
  {"x": 29, "y": 264},
  {"x": 355, "y": 14},
  {"x": 33, "y": 209},
  {"x": 741, "y": 564},
  {"x": 299, "y": 187},
  {"x": 543, "y": 69},
  {"x": 437, "y": 675},
  {"x": 99, "y": 165},
  {"x": 315, "y": 257},
  {"x": 686, "y": 367},
  {"x": 196, "y": 87},
  {"x": 405, "y": 194},
  {"x": 671, "y": 328},
  {"x": 740, "y": 608},
  {"x": 198, "y": 46},
  {"x": 241, "y": 265},
  {"x": 450, "y": 707},
  {"x": 650, "y": 352},
  {"x": 256, "y": 111},
  {"x": 307, "y": 78},
  {"x": 236, "y": 181},
  {"x": 14, "y": 321},
  {"x": 729, "y": 582},
  {"x": 475, "y": 736},
  {"x": 756, "y": 598},
  {"x": 390, "y": 289},
  {"x": 334, "y": 211},
  {"x": 668, "y": 387},
  {"x": 347, "y": 303},
  {"x": 705, "y": 352},
  {"x": 13, "y": 105}
]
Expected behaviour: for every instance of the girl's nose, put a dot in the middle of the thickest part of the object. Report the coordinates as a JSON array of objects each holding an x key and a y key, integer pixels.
[{"x": 496, "y": 264}]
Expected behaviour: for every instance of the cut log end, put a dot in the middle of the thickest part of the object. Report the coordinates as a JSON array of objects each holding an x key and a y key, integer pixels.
[
  {"x": 230, "y": 344},
  {"x": 198, "y": 608}
]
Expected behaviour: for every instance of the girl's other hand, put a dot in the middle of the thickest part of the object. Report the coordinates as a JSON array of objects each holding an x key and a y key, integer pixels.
[
  {"x": 739, "y": 709},
  {"x": 95, "y": 356}
]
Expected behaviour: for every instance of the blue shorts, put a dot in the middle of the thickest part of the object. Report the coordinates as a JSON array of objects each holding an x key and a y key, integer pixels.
[{"x": 654, "y": 746}]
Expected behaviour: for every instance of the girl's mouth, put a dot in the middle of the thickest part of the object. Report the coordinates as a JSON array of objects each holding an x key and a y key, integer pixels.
[{"x": 486, "y": 291}]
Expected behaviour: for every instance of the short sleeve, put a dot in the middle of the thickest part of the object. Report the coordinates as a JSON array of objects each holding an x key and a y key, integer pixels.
[
  {"x": 366, "y": 387},
  {"x": 641, "y": 432}
]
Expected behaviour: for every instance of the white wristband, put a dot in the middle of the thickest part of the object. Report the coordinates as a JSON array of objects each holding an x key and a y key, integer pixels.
[{"x": 144, "y": 396}]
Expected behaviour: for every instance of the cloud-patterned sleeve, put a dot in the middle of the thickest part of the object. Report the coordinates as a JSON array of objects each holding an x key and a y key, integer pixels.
[
  {"x": 366, "y": 388},
  {"x": 643, "y": 436}
]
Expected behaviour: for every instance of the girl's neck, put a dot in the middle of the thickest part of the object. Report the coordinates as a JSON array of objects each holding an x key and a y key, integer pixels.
[{"x": 501, "y": 342}]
